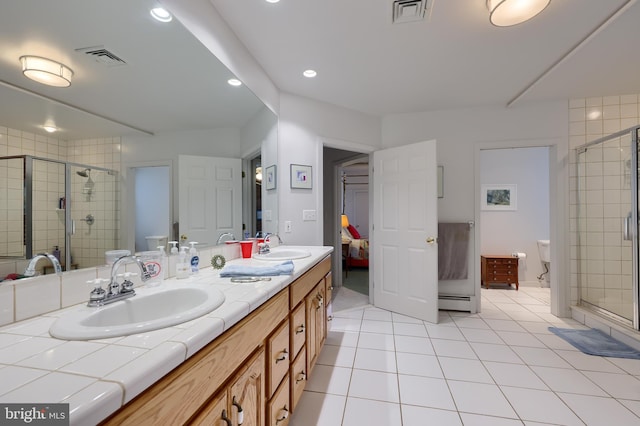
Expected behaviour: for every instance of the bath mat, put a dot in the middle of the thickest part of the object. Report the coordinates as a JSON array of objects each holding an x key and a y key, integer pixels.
[{"x": 595, "y": 342}]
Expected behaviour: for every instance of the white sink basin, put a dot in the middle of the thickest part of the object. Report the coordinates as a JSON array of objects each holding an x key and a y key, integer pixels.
[
  {"x": 283, "y": 254},
  {"x": 148, "y": 310}
]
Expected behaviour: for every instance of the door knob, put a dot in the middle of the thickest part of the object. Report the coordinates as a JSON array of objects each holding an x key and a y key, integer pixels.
[{"x": 432, "y": 240}]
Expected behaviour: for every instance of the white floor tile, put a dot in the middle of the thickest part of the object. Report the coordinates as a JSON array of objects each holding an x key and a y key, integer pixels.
[
  {"x": 416, "y": 345},
  {"x": 581, "y": 361},
  {"x": 374, "y": 385},
  {"x": 498, "y": 353},
  {"x": 481, "y": 335},
  {"x": 514, "y": 338},
  {"x": 634, "y": 406},
  {"x": 444, "y": 332},
  {"x": 480, "y": 398},
  {"x": 377, "y": 314},
  {"x": 420, "y": 416},
  {"x": 349, "y": 313},
  {"x": 368, "y": 412},
  {"x": 540, "y": 406},
  {"x": 383, "y": 342},
  {"x": 340, "y": 356},
  {"x": 406, "y": 329},
  {"x": 631, "y": 366},
  {"x": 567, "y": 380},
  {"x": 505, "y": 324},
  {"x": 373, "y": 326},
  {"x": 329, "y": 379},
  {"x": 595, "y": 410},
  {"x": 376, "y": 360},
  {"x": 418, "y": 365},
  {"x": 342, "y": 338},
  {"x": 453, "y": 348},
  {"x": 516, "y": 375},
  {"x": 540, "y": 356},
  {"x": 403, "y": 318},
  {"x": 318, "y": 409},
  {"x": 554, "y": 342},
  {"x": 480, "y": 420},
  {"x": 466, "y": 370},
  {"x": 617, "y": 385},
  {"x": 346, "y": 324},
  {"x": 466, "y": 322},
  {"x": 425, "y": 392}
]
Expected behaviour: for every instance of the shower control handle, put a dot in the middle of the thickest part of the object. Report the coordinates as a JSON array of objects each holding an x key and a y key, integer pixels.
[{"x": 627, "y": 227}]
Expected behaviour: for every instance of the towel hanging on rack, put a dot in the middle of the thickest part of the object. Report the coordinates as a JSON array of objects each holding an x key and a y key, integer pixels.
[{"x": 453, "y": 251}]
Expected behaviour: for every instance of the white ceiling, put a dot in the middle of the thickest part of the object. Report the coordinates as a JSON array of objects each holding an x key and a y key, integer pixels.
[
  {"x": 453, "y": 59},
  {"x": 170, "y": 81}
]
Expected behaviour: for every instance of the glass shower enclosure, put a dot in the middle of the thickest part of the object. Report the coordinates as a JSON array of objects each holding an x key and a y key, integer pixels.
[
  {"x": 607, "y": 226},
  {"x": 54, "y": 205}
]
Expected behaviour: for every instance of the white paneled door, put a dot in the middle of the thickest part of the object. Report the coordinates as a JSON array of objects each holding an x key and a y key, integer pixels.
[
  {"x": 404, "y": 231},
  {"x": 210, "y": 194}
]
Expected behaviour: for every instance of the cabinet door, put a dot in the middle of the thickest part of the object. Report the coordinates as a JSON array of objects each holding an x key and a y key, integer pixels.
[
  {"x": 246, "y": 398},
  {"x": 278, "y": 359},
  {"x": 298, "y": 378},
  {"x": 215, "y": 413},
  {"x": 297, "y": 326},
  {"x": 278, "y": 409},
  {"x": 321, "y": 316},
  {"x": 310, "y": 303}
]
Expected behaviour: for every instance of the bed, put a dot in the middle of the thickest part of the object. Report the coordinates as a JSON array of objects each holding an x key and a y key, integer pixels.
[{"x": 358, "y": 248}]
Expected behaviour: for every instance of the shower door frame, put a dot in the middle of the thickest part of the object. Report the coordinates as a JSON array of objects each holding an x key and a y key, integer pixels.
[{"x": 631, "y": 228}]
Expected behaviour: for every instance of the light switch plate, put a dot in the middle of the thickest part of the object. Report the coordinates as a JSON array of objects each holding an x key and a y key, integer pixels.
[
  {"x": 308, "y": 215},
  {"x": 287, "y": 226}
]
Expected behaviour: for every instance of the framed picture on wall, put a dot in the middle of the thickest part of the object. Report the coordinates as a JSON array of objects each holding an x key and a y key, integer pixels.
[
  {"x": 300, "y": 176},
  {"x": 499, "y": 197},
  {"x": 270, "y": 177}
]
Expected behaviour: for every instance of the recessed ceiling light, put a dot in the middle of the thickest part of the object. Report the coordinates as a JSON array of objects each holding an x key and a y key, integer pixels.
[
  {"x": 161, "y": 14},
  {"x": 309, "y": 73},
  {"x": 50, "y": 128},
  {"x": 594, "y": 114},
  {"x": 234, "y": 82},
  {"x": 272, "y": 1}
]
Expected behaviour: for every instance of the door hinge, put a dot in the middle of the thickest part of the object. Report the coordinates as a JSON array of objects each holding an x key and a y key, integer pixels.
[{"x": 243, "y": 174}]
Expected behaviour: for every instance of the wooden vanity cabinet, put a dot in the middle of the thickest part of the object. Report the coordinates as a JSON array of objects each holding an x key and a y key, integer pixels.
[
  {"x": 241, "y": 402},
  {"x": 260, "y": 365}
]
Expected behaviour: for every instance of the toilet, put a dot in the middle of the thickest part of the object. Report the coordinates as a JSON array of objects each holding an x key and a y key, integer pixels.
[
  {"x": 154, "y": 241},
  {"x": 544, "y": 249}
]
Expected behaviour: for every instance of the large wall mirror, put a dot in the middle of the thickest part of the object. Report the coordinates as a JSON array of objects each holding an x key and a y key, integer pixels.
[{"x": 143, "y": 93}]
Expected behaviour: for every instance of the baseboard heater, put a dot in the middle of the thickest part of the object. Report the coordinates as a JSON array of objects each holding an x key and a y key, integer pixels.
[{"x": 457, "y": 303}]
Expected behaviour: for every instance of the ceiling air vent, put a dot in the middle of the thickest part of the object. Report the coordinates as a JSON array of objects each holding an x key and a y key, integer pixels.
[
  {"x": 102, "y": 56},
  {"x": 410, "y": 10}
]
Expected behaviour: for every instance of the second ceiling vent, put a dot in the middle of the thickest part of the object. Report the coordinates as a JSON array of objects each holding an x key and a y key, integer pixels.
[{"x": 410, "y": 10}]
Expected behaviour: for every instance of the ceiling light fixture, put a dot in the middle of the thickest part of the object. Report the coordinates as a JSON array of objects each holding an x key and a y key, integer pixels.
[
  {"x": 49, "y": 128},
  {"x": 310, "y": 73},
  {"x": 234, "y": 82},
  {"x": 272, "y": 1},
  {"x": 161, "y": 14},
  {"x": 505, "y": 13},
  {"x": 46, "y": 71}
]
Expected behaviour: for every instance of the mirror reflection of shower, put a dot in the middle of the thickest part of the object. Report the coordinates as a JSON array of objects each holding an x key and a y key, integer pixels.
[{"x": 87, "y": 188}]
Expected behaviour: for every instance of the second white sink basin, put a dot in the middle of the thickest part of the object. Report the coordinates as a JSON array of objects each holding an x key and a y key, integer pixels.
[
  {"x": 151, "y": 309},
  {"x": 280, "y": 254}
]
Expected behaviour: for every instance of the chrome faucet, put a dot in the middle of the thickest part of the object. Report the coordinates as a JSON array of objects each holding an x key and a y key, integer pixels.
[
  {"x": 31, "y": 268},
  {"x": 267, "y": 238},
  {"x": 226, "y": 234},
  {"x": 116, "y": 291},
  {"x": 265, "y": 248}
]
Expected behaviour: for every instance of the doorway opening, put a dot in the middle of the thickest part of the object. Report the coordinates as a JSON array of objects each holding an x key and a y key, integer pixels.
[{"x": 152, "y": 200}]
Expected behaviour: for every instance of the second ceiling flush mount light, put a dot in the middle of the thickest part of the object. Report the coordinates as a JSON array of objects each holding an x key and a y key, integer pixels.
[
  {"x": 504, "y": 13},
  {"x": 46, "y": 71}
]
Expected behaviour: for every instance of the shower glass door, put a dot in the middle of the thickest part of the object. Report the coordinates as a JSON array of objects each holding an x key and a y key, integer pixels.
[{"x": 607, "y": 226}]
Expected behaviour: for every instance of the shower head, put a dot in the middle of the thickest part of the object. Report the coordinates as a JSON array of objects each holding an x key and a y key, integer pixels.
[{"x": 84, "y": 173}]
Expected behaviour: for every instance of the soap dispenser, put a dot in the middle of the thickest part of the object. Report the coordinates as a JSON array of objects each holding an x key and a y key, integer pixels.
[
  {"x": 164, "y": 262},
  {"x": 182, "y": 267},
  {"x": 174, "y": 247},
  {"x": 194, "y": 259}
]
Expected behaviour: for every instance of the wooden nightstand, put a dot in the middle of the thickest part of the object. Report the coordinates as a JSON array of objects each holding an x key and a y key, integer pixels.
[{"x": 499, "y": 269}]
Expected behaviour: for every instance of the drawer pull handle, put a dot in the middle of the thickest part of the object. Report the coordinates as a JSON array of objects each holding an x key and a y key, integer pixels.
[
  {"x": 225, "y": 418},
  {"x": 284, "y": 355},
  {"x": 240, "y": 412},
  {"x": 301, "y": 377},
  {"x": 330, "y": 318},
  {"x": 300, "y": 329},
  {"x": 285, "y": 414}
]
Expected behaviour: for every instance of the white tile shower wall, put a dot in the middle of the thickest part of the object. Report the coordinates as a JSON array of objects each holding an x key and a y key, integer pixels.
[{"x": 590, "y": 119}]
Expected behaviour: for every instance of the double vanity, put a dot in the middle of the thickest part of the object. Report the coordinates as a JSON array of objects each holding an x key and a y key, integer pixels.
[{"x": 246, "y": 361}]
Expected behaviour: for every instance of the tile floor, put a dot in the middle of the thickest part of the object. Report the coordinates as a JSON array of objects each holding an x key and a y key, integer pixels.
[{"x": 499, "y": 367}]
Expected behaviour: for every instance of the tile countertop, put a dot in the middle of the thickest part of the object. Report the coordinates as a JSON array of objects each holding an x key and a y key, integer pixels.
[{"x": 97, "y": 377}]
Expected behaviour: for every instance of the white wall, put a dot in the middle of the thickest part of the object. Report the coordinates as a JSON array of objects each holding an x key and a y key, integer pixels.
[
  {"x": 304, "y": 125},
  {"x": 504, "y": 232}
]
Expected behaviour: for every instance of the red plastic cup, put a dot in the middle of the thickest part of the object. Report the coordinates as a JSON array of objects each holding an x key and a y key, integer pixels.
[{"x": 247, "y": 248}]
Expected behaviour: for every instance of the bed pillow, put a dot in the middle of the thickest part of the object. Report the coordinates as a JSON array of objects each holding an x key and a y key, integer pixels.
[{"x": 353, "y": 231}]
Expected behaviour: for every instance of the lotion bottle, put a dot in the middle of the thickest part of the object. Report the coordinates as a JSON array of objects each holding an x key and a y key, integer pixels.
[
  {"x": 182, "y": 267},
  {"x": 194, "y": 259},
  {"x": 164, "y": 263}
]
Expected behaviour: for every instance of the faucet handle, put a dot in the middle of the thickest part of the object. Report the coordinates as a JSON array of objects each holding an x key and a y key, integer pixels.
[
  {"x": 98, "y": 293},
  {"x": 127, "y": 285}
]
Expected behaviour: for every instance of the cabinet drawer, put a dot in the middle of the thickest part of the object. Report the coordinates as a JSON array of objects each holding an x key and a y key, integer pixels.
[
  {"x": 498, "y": 261},
  {"x": 502, "y": 278},
  {"x": 298, "y": 378},
  {"x": 278, "y": 409},
  {"x": 297, "y": 330},
  {"x": 278, "y": 357}
]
